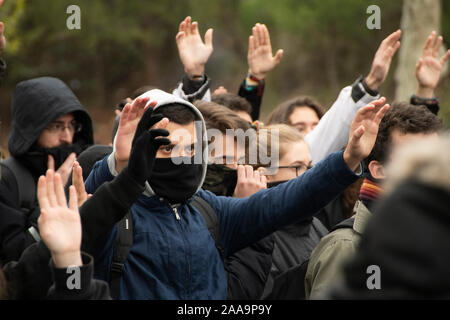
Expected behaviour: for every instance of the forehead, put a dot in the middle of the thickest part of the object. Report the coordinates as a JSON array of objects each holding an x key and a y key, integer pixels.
[
  {"x": 303, "y": 114},
  {"x": 297, "y": 151},
  {"x": 399, "y": 138},
  {"x": 182, "y": 133}
]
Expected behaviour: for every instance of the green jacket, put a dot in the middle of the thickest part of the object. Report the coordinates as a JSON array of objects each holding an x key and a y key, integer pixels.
[{"x": 333, "y": 250}]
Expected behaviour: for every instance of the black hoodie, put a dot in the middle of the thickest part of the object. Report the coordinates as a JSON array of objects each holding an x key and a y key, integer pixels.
[{"x": 35, "y": 104}]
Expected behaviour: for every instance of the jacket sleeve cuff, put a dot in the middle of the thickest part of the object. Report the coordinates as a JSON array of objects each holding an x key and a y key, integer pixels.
[
  {"x": 361, "y": 93},
  {"x": 73, "y": 282},
  {"x": 340, "y": 171},
  {"x": 112, "y": 164},
  {"x": 202, "y": 93}
]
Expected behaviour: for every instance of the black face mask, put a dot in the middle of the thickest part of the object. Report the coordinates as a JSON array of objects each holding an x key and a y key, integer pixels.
[
  {"x": 175, "y": 182},
  {"x": 37, "y": 158},
  {"x": 220, "y": 180}
]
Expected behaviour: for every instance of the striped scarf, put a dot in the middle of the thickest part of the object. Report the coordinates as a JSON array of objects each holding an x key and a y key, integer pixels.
[{"x": 370, "y": 191}]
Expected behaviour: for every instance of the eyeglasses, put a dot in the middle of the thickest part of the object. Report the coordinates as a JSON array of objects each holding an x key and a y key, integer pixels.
[
  {"x": 59, "y": 127},
  {"x": 299, "y": 168}
]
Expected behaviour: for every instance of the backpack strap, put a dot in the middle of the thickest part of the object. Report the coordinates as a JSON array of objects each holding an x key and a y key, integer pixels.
[
  {"x": 211, "y": 220},
  {"x": 122, "y": 247},
  {"x": 26, "y": 188},
  {"x": 347, "y": 223},
  {"x": 25, "y": 183}
]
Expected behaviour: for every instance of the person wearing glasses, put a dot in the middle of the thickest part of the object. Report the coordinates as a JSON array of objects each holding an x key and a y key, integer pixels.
[
  {"x": 49, "y": 129},
  {"x": 294, "y": 243}
]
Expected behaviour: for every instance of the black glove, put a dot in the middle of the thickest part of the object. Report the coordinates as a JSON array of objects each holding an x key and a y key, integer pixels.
[{"x": 145, "y": 145}]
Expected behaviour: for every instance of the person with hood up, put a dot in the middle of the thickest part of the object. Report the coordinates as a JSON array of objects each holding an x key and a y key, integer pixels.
[
  {"x": 49, "y": 128},
  {"x": 173, "y": 255}
]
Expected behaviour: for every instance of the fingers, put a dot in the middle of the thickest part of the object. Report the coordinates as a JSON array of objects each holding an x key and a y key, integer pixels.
[
  {"x": 66, "y": 168},
  {"x": 162, "y": 124},
  {"x": 251, "y": 45},
  {"x": 248, "y": 172},
  {"x": 187, "y": 26},
  {"x": 241, "y": 172},
  {"x": 42, "y": 193},
  {"x": 392, "y": 38},
  {"x": 50, "y": 184},
  {"x": 278, "y": 56},
  {"x": 73, "y": 199},
  {"x": 445, "y": 57},
  {"x": 260, "y": 34},
  {"x": 265, "y": 34},
  {"x": 194, "y": 28},
  {"x": 158, "y": 133},
  {"x": 124, "y": 116},
  {"x": 209, "y": 38},
  {"x": 77, "y": 180},
  {"x": 59, "y": 190},
  {"x": 358, "y": 133},
  {"x": 437, "y": 46},
  {"x": 50, "y": 162},
  {"x": 380, "y": 114}
]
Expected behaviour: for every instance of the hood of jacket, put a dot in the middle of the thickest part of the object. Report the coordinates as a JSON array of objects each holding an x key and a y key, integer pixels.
[
  {"x": 163, "y": 98},
  {"x": 38, "y": 102}
]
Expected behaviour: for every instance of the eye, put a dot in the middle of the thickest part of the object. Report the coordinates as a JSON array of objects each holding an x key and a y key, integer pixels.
[{"x": 167, "y": 148}]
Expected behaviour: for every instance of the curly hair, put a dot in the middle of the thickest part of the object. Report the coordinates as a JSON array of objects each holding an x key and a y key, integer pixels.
[{"x": 405, "y": 118}]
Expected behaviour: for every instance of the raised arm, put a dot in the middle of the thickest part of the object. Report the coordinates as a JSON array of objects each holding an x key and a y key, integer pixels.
[
  {"x": 260, "y": 63},
  {"x": 332, "y": 132},
  {"x": 245, "y": 221},
  {"x": 428, "y": 72},
  {"x": 194, "y": 54}
]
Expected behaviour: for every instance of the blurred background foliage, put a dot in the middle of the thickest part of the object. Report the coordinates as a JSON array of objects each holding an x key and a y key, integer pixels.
[{"x": 123, "y": 45}]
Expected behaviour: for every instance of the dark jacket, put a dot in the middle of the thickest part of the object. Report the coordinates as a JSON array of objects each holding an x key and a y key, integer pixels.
[
  {"x": 177, "y": 259},
  {"x": 32, "y": 276},
  {"x": 293, "y": 246},
  {"x": 35, "y": 104},
  {"x": 408, "y": 238}
]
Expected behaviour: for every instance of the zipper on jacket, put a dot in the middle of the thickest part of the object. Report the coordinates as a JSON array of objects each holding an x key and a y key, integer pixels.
[{"x": 177, "y": 216}]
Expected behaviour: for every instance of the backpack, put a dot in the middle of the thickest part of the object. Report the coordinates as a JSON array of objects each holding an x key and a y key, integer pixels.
[
  {"x": 26, "y": 188},
  {"x": 124, "y": 241}
]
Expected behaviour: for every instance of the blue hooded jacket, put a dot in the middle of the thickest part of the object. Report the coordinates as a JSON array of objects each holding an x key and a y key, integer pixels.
[{"x": 177, "y": 259}]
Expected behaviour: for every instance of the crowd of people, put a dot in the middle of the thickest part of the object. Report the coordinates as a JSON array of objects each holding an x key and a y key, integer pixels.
[{"x": 197, "y": 198}]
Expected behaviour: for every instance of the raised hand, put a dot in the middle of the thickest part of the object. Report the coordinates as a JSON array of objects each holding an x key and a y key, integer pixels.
[
  {"x": 249, "y": 181},
  {"x": 59, "y": 223},
  {"x": 145, "y": 145},
  {"x": 78, "y": 183},
  {"x": 65, "y": 169},
  {"x": 129, "y": 119},
  {"x": 260, "y": 59},
  {"x": 193, "y": 52},
  {"x": 363, "y": 132},
  {"x": 382, "y": 60},
  {"x": 429, "y": 66}
]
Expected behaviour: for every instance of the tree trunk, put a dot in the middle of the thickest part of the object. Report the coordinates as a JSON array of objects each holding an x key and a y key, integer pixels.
[{"x": 419, "y": 18}]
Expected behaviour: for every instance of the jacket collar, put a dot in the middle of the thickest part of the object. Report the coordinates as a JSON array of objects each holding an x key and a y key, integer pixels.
[{"x": 362, "y": 215}]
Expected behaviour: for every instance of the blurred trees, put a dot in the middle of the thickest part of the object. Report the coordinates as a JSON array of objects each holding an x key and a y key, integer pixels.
[{"x": 125, "y": 44}]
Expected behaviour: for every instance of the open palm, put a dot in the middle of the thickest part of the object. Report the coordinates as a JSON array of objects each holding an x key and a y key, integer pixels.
[
  {"x": 429, "y": 66},
  {"x": 260, "y": 59},
  {"x": 193, "y": 52},
  {"x": 59, "y": 223},
  {"x": 364, "y": 130}
]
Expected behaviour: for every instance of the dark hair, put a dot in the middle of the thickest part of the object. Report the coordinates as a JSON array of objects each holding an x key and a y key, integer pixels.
[
  {"x": 177, "y": 113},
  {"x": 405, "y": 118},
  {"x": 233, "y": 102},
  {"x": 284, "y": 110},
  {"x": 220, "y": 117}
]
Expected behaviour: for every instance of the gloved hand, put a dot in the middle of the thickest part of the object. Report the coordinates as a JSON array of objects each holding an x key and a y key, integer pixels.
[{"x": 145, "y": 145}]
